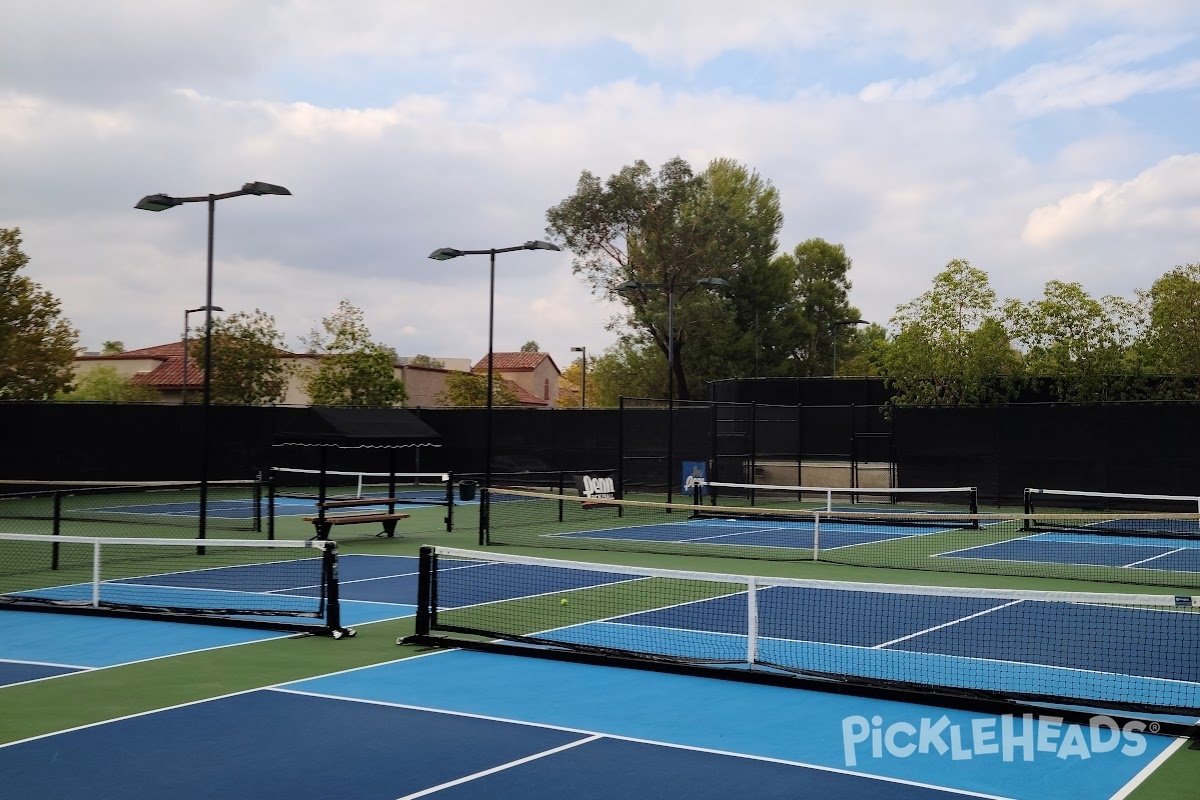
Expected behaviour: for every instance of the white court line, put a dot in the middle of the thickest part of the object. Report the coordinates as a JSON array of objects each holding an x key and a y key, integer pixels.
[
  {"x": 501, "y": 768},
  {"x": 637, "y": 740},
  {"x": 42, "y": 663},
  {"x": 945, "y": 624},
  {"x": 1147, "y": 770},
  {"x": 1151, "y": 558}
]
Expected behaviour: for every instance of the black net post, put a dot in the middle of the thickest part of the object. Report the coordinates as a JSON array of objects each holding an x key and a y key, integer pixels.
[
  {"x": 620, "y": 482},
  {"x": 257, "y": 499},
  {"x": 57, "y": 529},
  {"x": 449, "y": 502},
  {"x": 484, "y": 511},
  {"x": 425, "y": 565},
  {"x": 329, "y": 570},
  {"x": 271, "y": 504}
]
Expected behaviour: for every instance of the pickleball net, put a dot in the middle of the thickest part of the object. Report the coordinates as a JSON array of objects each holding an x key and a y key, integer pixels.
[
  {"x": 1158, "y": 514},
  {"x": 990, "y": 544},
  {"x": 949, "y": 499},
  {"x": 90, "y": 507},
  {"x": 1125, "y": 652},
  {"x": 288, "y": 585},
  {"x": 426, "y": 488}
]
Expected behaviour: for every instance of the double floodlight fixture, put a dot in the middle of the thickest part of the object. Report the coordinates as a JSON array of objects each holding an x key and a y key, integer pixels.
[
  {"x": 447, "y": 253},
  {"x": 161, "y": 202}
]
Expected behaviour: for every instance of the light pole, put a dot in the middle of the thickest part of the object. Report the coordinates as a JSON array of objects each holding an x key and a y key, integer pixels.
[
  {"x": 445, "y": 254},
  {"x": 186, "y": 329},
  {"x": 161, "y": 202},
  {"x": 583, "y": 375},
  {"x": 835, "y": 337},
  {"x": 632, "y": 286}
]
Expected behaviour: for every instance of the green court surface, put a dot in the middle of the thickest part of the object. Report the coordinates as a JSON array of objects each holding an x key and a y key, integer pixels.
[{"x": 41, "y": 707}]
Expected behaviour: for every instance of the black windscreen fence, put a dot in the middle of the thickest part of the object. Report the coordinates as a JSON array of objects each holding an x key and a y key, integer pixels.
[
  {"x": 1115, "y": 447},
  {"x": 1003, "y": 450}
]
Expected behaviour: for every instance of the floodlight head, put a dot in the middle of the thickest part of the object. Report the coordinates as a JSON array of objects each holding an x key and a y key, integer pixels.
[
  {"x": 852, "y": 322},
  {"x": 158, "y": 202},
  {"x": 712, "y": 282},
  {"x": 629, "y": 286},
  {"x": 204, "y": 308},
  {"x": 539, "y": 245},
  {"x": 445, "y": 254},
  {"x": 260, "y": 188},
  {"x": 578, "y": 349}
]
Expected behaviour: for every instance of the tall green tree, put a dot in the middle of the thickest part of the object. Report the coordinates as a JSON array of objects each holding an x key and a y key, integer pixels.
[
  {"x": 1077, "y": 341},
  {"x": 353, "y": 369},
  {"x": 667, "y": 230},
  {"x": 469, "y": 390},
  {"x": 1172, "y": 304},
  {"x": 37, "y": 344},
  {"x": 952, "y": 347},
  {"x": 531, "y": 347},
  {"x": 627, "y": 369},
  {"x": 246, "y": 368},
  {"x": 820, "y": 316},
  {"x": 105, "y": 385},
  {"x": 866, "y": 352}
]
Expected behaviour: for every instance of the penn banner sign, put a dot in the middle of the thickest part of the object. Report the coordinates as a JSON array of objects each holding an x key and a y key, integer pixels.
[{"x": 596, "y": 486}]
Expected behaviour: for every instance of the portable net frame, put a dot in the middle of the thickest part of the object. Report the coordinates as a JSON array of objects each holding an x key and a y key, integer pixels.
[
  {"x": 89, "y": 507},
  {"x": 1127, "y": 652},
  {"x": 1159, "y": 513},
  {"x": 426, "y": 488},
  {"x": 990, "y": 544},
  {"x": 953, "y": 499},
  {"x": 286, "y": 585}
]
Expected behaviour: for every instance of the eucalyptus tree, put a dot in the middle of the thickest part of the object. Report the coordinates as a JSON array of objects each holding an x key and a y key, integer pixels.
[{"x": 667, "y": 232}]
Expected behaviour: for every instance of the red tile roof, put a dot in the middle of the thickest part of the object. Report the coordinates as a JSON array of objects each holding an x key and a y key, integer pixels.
[
  {"x": 172, "y": 350},
  {"x": 515, "y": 362},
  {"x": 169, "y": 375}
]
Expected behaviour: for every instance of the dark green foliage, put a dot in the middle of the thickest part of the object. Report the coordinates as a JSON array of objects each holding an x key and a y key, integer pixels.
[{"x": 37, "y": 345}]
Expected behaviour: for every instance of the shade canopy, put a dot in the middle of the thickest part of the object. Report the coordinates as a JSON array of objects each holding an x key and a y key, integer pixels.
[{"x": 360, "y": 427}]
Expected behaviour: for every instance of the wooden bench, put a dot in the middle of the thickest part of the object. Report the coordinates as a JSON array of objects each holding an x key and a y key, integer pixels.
[{"x": 326, "y": 522}]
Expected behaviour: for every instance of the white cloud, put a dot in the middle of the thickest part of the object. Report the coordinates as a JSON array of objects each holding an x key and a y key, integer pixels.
[
  {"x": 112, "y": 108},
  {"x": 1101, "y": 76},
  {"x": 918, "y": 90},
  {"x": 1162, "y": 200}
]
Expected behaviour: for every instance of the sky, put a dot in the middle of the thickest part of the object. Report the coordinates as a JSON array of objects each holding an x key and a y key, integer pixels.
[{"x": 1037, "y": 140}]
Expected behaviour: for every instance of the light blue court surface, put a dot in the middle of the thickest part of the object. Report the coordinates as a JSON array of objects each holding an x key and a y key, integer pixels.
[
  {"x": 35, "y": 645},
  {"x": 458, "y": 725},
  {"x": 1091, "y": 549},
  {"x": 793, "y": 726},
  {"x": 468, "y": 725}
]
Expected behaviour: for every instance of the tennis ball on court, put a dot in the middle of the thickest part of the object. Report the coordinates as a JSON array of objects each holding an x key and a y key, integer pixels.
[{"x": 564, "y": 602}]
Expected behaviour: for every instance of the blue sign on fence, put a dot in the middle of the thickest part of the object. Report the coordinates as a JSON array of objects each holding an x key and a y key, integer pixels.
[{"x": 693, "y": 470}]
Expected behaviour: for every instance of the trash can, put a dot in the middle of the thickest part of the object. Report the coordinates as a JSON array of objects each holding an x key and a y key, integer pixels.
[{"x": 466, "y": 490}]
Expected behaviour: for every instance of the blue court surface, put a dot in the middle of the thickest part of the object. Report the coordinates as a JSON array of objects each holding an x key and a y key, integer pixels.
[
  {"x": 1084, "y": 549},
  {"x": 458, "y": 724},
  {"x": 34, "y": 645},
  {"x": 472, "y": 725},
  {"x": 757, "y": 533}
]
